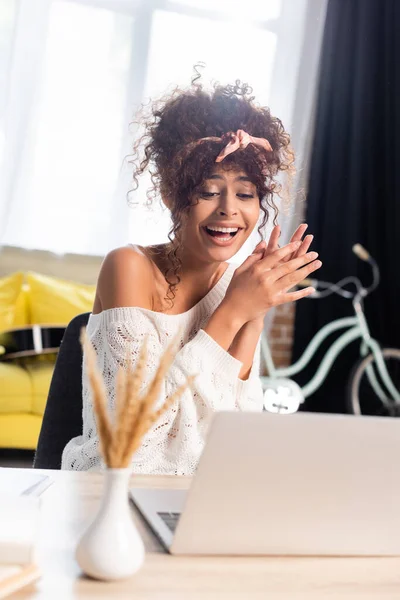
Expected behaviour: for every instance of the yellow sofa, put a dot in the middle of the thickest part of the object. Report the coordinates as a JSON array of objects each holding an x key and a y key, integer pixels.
[{"x": 27, "y": 299}]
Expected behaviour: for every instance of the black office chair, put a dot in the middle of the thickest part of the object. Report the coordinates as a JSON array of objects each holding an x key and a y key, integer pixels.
[{"x": 62, "y": 419}]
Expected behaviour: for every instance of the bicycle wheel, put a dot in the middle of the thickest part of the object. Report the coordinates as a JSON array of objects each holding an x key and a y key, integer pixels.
[{"x": 361, "y": 396}]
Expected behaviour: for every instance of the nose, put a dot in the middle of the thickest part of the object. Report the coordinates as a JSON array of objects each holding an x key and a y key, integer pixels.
[{"x": 227, "y": 206}]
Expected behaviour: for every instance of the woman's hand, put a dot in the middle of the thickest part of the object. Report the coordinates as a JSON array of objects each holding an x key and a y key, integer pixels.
[
  {"x": 273, "y": 245},
  {"x": 264, "y": 281},
  {"x": 263, "y": 249},
  {"x": 261, "y": 282}
]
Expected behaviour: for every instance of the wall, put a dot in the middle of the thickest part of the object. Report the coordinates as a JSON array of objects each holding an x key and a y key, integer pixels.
[
  {"x": 75, "y": 267},
  {"x": 281, "y": 335}
]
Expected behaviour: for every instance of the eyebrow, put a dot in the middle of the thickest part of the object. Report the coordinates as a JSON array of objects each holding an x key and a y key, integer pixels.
[{"x": 239, "y": 178}]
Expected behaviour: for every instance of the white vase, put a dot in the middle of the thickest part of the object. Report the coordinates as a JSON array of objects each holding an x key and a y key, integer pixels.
[{"x": 112, "y": 548}]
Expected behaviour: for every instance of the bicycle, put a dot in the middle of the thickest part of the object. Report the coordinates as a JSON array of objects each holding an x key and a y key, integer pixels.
[{"x": 374, "y": 382}]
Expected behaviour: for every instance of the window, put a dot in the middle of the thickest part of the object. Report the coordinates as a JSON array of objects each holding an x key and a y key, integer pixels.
[
  {"x": 76, "y": 142},
  {"x": 7, "y": 22},
  {"x": 92, "y": 62},
  {"x": 229, "y": 51}
]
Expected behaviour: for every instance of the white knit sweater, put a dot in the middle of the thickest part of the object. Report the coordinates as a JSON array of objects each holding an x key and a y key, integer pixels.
[{"x": 174, "y": 444}]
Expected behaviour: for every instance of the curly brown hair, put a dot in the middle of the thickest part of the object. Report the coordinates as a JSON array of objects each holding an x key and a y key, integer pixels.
[{"x": 179, "y": 164}]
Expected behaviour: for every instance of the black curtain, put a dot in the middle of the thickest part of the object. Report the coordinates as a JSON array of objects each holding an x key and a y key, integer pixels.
[{"x": 354, "y": 180}]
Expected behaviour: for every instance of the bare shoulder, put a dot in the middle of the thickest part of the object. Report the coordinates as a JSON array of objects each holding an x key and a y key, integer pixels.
[{"x": 125, "y": 279}]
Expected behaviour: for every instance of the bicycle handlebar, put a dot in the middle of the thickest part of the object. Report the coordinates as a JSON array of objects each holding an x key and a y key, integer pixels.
[
  {"x": 332, "y": 288},
  {"x": 361, "y": 252}
]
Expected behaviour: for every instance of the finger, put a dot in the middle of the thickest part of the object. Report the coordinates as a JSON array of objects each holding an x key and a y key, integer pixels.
[
  {"x": 297, "y": 237},
  {"x": 300, "y": 231},
  {"x": 250, "y": 260},
  {"x": 292, "y": 266},
  {"x": 289, "y": 281},
  {"x": 261, "y": 246},
  {"x": 304, "y": 246},
  {"x": 293, "y": 296},
  {"x": 273, "y": 243},
  {"x": 271, "y": 260}
]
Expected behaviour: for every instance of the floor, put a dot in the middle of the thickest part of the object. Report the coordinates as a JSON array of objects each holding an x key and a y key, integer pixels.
[{"x": 16, "y": 458}]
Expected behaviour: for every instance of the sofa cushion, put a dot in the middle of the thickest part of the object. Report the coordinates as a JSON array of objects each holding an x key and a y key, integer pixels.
[
  {"x": 10, "y": 288},
  {"x": 21, "y": 315},
  {"x": 15, "y": 389},
  {"x": 40, "y": 373},
  {"x": 55, "y": 301},
  {"x": 20, "y": 430}
]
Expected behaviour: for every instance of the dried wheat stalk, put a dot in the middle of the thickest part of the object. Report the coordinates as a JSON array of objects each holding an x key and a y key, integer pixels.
[
  {"x": 134, "y": 412},
  {"x": 99, "y": 398},
  {"x": 152, "y": 417},
  {"x": 134, "y": 399},
  {"x": 129, "y": 402},
  {"x": 120, "y": 403}
]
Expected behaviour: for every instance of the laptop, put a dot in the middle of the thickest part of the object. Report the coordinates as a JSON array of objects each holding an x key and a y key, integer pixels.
[{"x": 301, "y": 484}]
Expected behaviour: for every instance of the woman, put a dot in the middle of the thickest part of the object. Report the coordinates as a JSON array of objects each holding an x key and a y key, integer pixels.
[{"x": 215, "y": 157}]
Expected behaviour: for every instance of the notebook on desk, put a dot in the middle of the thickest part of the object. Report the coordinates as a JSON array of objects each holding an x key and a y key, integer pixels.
[
  {"x": 20, "y": 490},
  {"x": 23, "y": 482},
  {"x": 15, "y": 577}
]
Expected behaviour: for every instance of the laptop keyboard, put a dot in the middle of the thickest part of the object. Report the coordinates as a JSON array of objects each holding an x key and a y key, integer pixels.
[{"x": 170, "y": 519}]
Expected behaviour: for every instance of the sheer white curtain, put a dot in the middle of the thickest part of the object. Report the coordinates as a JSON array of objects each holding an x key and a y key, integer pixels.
[{"x": 75, "y": 70}]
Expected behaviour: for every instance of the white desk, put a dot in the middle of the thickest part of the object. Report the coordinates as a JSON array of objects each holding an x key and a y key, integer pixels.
[{"x": 72, "y": 500}]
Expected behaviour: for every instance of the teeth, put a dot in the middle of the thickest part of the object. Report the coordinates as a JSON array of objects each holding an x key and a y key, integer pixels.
[{"x": 224, "y": 229}]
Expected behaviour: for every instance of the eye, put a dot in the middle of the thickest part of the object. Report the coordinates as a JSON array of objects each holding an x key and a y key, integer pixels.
[
  {"x": 204, "y": 194},
  {"x": 245, "y": 196}
]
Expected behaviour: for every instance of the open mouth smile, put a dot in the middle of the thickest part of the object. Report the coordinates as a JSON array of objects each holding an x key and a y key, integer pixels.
[{"x": 221, "y": 236}]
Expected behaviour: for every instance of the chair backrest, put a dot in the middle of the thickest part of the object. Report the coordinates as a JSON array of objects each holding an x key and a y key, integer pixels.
[{"x": 62, "y": 419}]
